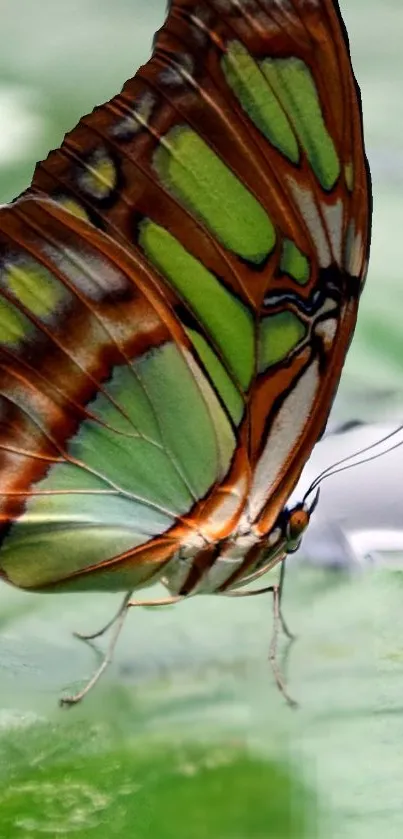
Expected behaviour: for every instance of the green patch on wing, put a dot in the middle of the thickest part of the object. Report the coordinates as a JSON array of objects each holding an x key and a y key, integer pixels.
[
  {"x": 294, "y": 263},
  {"x": 76, "y": 525},
  {"x": 256, "y": 97},
  {"x": 293, "y": 85},
  {"x": 34, "y": 287},
  {"x": 278, "y": 335},
  {"x": 14, "y": 326},
  {"x": 349, "y": 176},
  {"x": 193, "y": 173},
  {"x": 144, "y": 459},
  {"x": 280, "y": 97},
  {"x": 222, "y": 382},
  {"x": 221, "y": 314}
]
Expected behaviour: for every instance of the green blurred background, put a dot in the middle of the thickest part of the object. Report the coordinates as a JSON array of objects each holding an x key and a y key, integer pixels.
[{"x": 186, "y": 736}]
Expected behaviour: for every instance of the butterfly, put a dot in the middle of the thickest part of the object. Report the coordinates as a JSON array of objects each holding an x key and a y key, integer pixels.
[{"x": 178, "y": 290}]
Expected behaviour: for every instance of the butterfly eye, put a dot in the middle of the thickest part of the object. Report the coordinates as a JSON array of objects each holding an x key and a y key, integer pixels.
[{"x": 297, "y": 523}]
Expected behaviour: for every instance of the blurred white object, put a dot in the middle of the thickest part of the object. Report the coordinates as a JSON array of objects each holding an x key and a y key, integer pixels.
[
  {"x": 20, "y": 125},
  {"x": 359, "y": 516}
]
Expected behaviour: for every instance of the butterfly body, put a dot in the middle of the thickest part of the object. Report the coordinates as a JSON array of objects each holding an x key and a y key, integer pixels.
[{"x": 178, "y": 290}]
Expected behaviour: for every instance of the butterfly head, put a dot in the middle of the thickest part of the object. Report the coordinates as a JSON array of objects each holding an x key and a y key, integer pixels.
[{"x": 296, "y": 522}]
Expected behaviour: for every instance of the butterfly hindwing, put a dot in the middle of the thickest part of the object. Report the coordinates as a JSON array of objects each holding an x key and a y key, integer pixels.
[{"x": 97, "y": 378}]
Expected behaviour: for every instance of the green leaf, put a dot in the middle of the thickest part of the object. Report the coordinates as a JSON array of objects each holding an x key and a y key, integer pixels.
[{"x": 187, "y": 735}]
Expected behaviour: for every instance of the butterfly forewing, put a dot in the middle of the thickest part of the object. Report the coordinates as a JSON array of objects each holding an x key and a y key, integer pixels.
[{"x": 179, "y": 289}]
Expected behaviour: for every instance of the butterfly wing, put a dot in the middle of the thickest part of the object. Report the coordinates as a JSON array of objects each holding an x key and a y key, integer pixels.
[
  {"x": 231, "y": 170},
  {"x": 110, "y": 431}
]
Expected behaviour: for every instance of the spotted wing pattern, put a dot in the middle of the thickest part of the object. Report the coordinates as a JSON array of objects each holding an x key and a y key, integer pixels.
[{"x": 178, "y": 290}]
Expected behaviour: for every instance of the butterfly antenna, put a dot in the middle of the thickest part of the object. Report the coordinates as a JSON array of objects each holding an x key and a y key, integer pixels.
[{"x": 345, "y": 462}]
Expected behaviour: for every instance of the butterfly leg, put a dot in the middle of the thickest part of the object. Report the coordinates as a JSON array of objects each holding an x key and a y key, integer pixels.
[
  {"x": 287, "y": 632},
  {"x": 160, "y": 601},
  {"x": 278, "y": 622},
  {"x": 83, "y": 636},
  {"x": 118, "y": 620},
  {"x": 273, "y": 650},
  {"x": 163, "y": 601}
]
